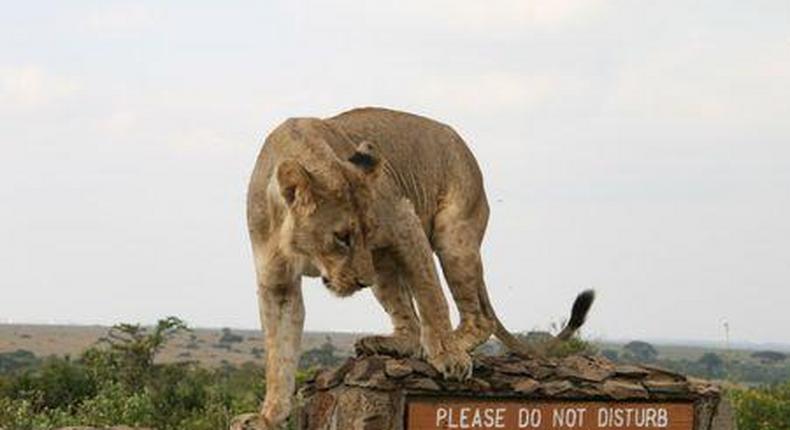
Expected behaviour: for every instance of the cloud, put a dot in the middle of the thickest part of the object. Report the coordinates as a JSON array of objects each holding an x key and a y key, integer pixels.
[
  {"x": 204, "y": 140},
  {"x": 511, "y": 94},
  {"x": 411, "y": 22},
  {"x": 500, "y": 16},
  {"x": 481, "y": 91},
  {"x": 515, "y": 14},
  {"x": 120, "y": 122},
  {"x": 30, "y": 87},
  {"x": 121, "y": 18},
  {"x": 699, "y": 82}
]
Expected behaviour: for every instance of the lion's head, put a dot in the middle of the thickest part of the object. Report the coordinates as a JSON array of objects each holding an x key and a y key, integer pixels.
[{"x": 329, "y": 220}]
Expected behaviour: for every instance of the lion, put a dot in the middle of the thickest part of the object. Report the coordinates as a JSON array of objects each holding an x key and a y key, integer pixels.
[{"x": 364, "y": 200}]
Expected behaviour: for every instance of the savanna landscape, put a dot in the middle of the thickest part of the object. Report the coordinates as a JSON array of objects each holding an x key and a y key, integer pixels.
[
  {"x": 171, "y": 376},
  {"x": 635, "y": 149}
]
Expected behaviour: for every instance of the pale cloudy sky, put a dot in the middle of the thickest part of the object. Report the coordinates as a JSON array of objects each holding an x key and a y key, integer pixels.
[{"x": 641, "y": 148}]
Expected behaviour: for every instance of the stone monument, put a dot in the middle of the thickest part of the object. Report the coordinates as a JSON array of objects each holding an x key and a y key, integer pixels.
[{"x": 508, "y": 392}]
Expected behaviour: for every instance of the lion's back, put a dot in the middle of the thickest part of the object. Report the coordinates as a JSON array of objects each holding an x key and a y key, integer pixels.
[
  {"x": 429, "y": 152},
  {"x": 411, "y": 142}
]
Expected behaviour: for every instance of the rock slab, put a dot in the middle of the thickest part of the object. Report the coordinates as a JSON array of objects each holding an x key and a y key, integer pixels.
[{"x": 370, "y": 393}]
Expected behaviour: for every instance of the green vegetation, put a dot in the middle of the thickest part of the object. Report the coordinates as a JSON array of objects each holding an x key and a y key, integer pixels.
[
  {"x": 323, "y": 356},
  {"x": 759, "y": 382},
  {"x": 19, "y": 359},
  {"x": 770, "y": 357},
  {"x": 766, "y": 408},
  {"x": 746, "y": 368},
  {"x": 539, "y": 339},
  {"x": 642, "y": 352},
  {"x": 228, "y": 337},
  {"x": 119, "y": 382}
]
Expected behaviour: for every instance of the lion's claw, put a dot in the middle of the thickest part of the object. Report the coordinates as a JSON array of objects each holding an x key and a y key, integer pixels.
[{"x": 454, "y": 366}]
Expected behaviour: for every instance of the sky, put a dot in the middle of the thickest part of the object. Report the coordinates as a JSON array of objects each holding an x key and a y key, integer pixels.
[{"x": 640, "y": 148}]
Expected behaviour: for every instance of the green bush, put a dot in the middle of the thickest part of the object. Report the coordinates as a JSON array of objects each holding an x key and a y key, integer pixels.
[
  {"x": 766, "y": 408},
  {"x": 323, "y": 356},
  {"x": 746, "y": 372},
  {"x": 16, "y": 360},
  {"x": 58, "y": 383},
  {"x": 113, "y": 404},
  {"x": 120, "y": 383}
]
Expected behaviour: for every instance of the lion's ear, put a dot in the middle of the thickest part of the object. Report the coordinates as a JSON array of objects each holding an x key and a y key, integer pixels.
[
  {"x": 366, "y": 158},
  {"x": 294, "y": 182}
]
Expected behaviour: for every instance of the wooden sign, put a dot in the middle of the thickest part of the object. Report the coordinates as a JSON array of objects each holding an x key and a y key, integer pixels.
[{"x": 460, "y": 414}]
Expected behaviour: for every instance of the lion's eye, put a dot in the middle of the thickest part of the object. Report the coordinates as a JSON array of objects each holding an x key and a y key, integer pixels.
[{"x": 343, "y": 239}]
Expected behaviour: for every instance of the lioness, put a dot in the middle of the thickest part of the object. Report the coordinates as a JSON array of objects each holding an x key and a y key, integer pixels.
[{"x": 364, "y": 199}]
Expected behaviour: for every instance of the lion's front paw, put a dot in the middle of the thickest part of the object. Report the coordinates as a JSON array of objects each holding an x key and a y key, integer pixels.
[
  {"x": 253, "y": 422},
  {"x": 452, "y": 364},
  {"x": 273, "y": 416},
  {"x": 399, "y": 346}
]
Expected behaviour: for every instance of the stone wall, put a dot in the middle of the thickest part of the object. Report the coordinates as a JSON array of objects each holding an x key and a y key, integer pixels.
[{"x": 370, "y": 392}]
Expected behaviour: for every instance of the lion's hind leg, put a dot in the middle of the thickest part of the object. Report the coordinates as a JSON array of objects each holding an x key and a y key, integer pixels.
[
  {"x": 457, "y": 239},
  {"x": 395, "y": 297}
]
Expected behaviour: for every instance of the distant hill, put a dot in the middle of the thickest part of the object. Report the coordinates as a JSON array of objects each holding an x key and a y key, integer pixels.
[
  {"x": 213, "y": 346},
  {"x": 209, "y": 346}
]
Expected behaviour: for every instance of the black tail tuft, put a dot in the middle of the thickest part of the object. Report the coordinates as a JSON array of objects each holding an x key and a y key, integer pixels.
[{"x": 581, "y": 306}]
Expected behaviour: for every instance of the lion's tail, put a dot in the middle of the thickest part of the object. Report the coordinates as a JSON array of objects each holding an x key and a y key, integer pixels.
[{"x": 581, "y": 306}]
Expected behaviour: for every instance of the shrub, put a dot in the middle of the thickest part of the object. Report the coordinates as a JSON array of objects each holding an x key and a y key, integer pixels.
[
  {"x": 58, "y": 383},
  {"x": 763, "y": 408},
  {"x": 769, "y": 357},
  {"x": 713, "y": 364},
  {"x": 323, "y": 356},
  {"x": 640, "y": 351},
  {"x": 113, "y": 404},
  {"x": 16, "y": 360},
  {"x": 228, "y": 337},
  {"x": 132, "y": 349},
  {"x": 543, "y": 339},
  {"x": 611, "y": 354},
  {"x": 257, "y": 352},
  {"x": 119, "y": 383}
]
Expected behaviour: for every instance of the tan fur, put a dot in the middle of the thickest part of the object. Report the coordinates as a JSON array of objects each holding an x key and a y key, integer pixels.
[{"x": 311, "y": 212}]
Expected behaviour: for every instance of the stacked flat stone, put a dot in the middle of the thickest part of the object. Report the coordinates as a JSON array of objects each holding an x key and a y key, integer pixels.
[{"x": 369, "y": 392}]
